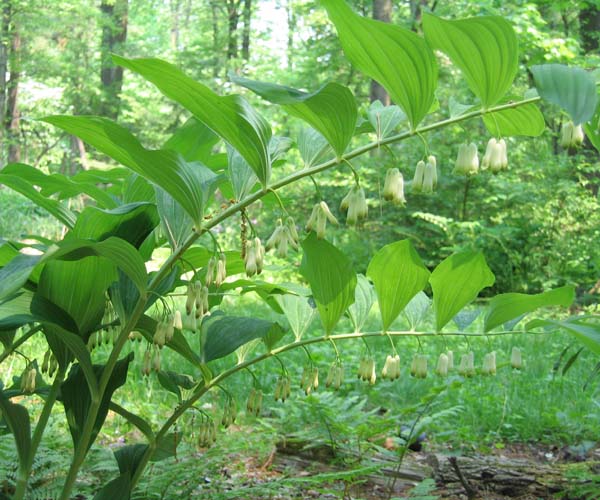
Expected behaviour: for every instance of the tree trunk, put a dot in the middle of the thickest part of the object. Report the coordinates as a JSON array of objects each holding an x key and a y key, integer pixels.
[
  {"x": 233, "y": 17},
  {"x": 416, "y": 13},
  {"x": 382, "y": 11},
  {"x": 4, "y": 37},
  {"x": 247, "y": 15},
  {"x": 114, "y": 35},
  {"x": 13, "y": 114},
  {"x": 589, "y": 28}
]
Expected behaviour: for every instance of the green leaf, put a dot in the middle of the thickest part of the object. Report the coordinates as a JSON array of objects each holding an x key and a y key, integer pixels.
[
  {"x": 242, "y": 177},
  {"x": 129, "y": 457},
  {"x": 76, "y": 397},
  {"x": 17, "y": 419},
  {"x": 117, "y": 489},
  {"x": 132, "y": 222},
  {"x": 298, "y": 312},
  {"x": 586, "y": 332},
  {"x": 176, "y": 224},
  {"x": 230, "y": 117},
  {"x": 53, "y": 207},
  {"x": 331, "y": 109},
  {"x": 166, "y": 446},
  {"x": 507, "y": 306},
  {"x": 397, "y": 58},
  {"x": 484, "y": 48},
  {"x": 331, "y": 277},
  {"x": 313, "y": 147},
  {"x": 25, "y": 307},
  {"x": 221, "y": 335},
  {"x": 398, "y": 274},
  {"x": 194, "y": 141},
  {"x": 416, "y": 310},
  {"x": 456, "y": 281},
  {"x": 364, "y": 298},
  {"x": 573, "y": 89},
  {"x": 65, "y": 187},
  {"x": 384, "y": 119},
  {"x": 189, "y": 183},
  {"x": 525, "y": 120},
  {"x": 172, "y": 382}
]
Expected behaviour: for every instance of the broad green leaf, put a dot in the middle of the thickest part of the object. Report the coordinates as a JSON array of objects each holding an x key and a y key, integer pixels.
[
  {"x": 571, "y": 88},
  {"x": 176, "y": 224},
  {"x": 465, "y": 318},
  {"x": 17, "y": 419},
  {"x": 132, "y": 222},
  {"x": 457, "y": 109},
  {"x": 331, "y": 277},
  {"x": 16, "y": 273},
  {"x": 63, "y": 186},
  {"x": 137, "y": 189},
  {"x": 198, "y": 257},
  {"x": 221, "y": 335},
  {"x": 26, "y": 307},
  {"x": 298, "y": 312},
  {"x": 525, "y": 120},
  {"x": 416, "y": 310},
  {"x": 79, "y": 289},
  {"x": 166, "y": 446},
  {"x": 364, "y": 298},
  {"x": 76, "y": 397},
  {"x": 116, "y": 489},
  {"x": 313, "y": 147},
  {"x": 396, "y": 57},
  {"x": 398, "y": 274},
  {"x": 189, "y": 183},
  {"x": 242, "y": 177},
  {"x": 384, "y": 119},
  {"x": 278, "y": 146},
  {"x": 128, "y": 457},
  {"x": 230, "y": 117},
  {"x": 484, "y": 48},
  {"x": 331, "y": 109},
  {"x": 53, "y": 207},
  {"x": 457, "y": 281},
  {"x": 588, "y": 333},
  {"x": 172, "y": 382},
  {"x": 507, "y": 306},
  {"x": 194, "y": 141}
]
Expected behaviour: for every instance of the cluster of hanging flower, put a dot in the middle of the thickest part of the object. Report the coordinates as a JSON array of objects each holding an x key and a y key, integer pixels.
[
  {"x": 229, "y": 412},
  {"x": 391, "y": 368},
  {"x": 283, "y": 388},
  {"x": 335, "y": 376},
  {"x": 425, "y": 179},
  {"x": 571, "y": 135},
  {"x": 495, "y": 157},
  {"x": 393, "y": 188},
  {"x": 317, "y": 221},
  {"x": 254, "y": 257},
  {"x": 310, "y": 379},
  {"x": 28, "y": 379},
  {"x": 49, "y": 363},
  {"x": 254, "y": 403},
  {"x": 284, "y": 236},
  {"x": 207, "y": 434},
  {"x": 418, "y": 367},
  {"x": 467, "y": 161},
  {"x": 216, "y": 270},
  {"x": 366, "y": 370},
  {"x": 355, "y": 204},
  {"x": 151, "y": 360}
]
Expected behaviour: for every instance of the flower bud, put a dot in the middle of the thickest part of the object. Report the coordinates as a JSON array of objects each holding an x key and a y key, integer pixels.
[
  {"x": 291, "y": 225},
  {"x": 429, "y": 176},
  {"x": 450, "y": 356},
  {"x": 393, "y": 188},
  {"x": 191, "y": 296},
  {"x": 421, "y": 366},
  {"x": 177, "y": 321},
  {"x": 467, "y": 365},
  {"x": 276, "y": 237},
  {"x": 28, "y": 379},
  {"x": 495, "y": 157},
  {"x": 250, "y": 260},
  {"x": 260, "y": 254},
  {"x": 211, "y": 269},
  {"x": 147, "y": 363},
  {"x": 221, "y": 270},
  {"x": 160, "y": 335},
  {"x": 53, "y": 365},
  {"x": 417, "y": 183},
  {"x": 156, "y": 360},
  {"x": 489, "y": 364},
  {"x": 467, "y": 161},
  {"x": 46, "y": 361},
  {"x": 318, "y": 219},
  {"x": 170, "y": 329},
  {"x": 516, "y": 360},
  {"x": 442, "y": 365}
]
